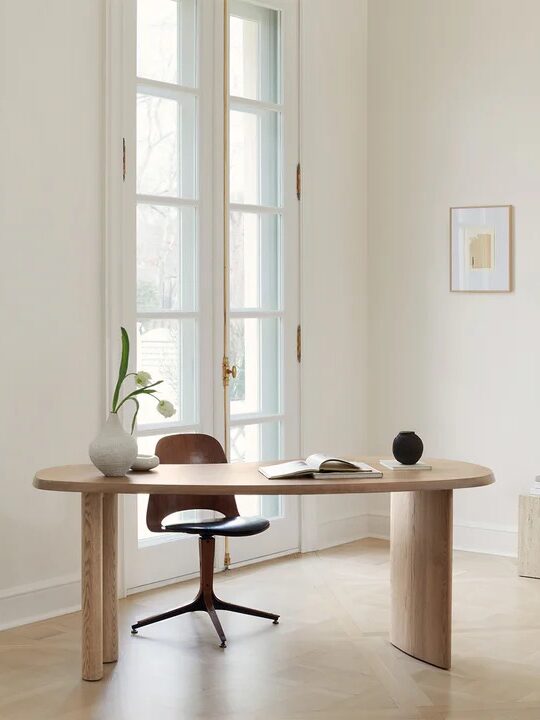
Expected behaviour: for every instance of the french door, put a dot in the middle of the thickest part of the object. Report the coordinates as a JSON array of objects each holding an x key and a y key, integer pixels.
[
  {"x": 211, "y": 218},
  {"x": 262, "y": 243}
]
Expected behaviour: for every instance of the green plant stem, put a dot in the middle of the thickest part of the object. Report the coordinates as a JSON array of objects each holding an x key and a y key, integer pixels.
[
  {"x": 135, "y": 413},
  {"x": 131, "y": 397},
  {"x": 122, "y": 371},
  {"x": 141, "y": 391}
]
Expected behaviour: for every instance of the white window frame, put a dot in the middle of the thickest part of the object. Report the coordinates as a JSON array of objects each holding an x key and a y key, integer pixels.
[
  {"x": 288, "y": 208},
  {"x": 120, "y": 216},
  {"x": 120, "y": 235}
]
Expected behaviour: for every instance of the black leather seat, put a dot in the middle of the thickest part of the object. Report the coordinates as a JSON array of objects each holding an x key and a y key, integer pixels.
[
  {"x": 227, "y": 526},
  {"x": 199, "y": 448}
]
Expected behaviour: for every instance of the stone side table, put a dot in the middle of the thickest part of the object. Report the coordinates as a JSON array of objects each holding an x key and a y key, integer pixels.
[{"x": 529, "y": 536}]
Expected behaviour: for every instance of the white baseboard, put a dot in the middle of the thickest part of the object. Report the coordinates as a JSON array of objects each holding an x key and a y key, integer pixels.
[
  {"x": 472, "y": 537},
  {"x": 193, "y": 576},
  {"x": 378, "y": 526},
  {"x": 25, "y": 604},
  {"x": 488, "y": 539},
  {"x": 40, "y": 600},
  {"x": 341, "y": 531}
]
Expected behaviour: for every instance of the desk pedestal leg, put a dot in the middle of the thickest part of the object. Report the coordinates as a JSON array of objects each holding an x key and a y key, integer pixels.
[
  {"x": 110, "y": 594},
  {"x": 421, "y": 574},
  {"x": 91, "y": 585}
]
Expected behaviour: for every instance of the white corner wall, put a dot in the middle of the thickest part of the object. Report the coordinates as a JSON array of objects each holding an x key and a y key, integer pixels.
[
  {"x": 454, "y": 112},
  {"x": 453, "y": 118},
  {"x": 51, "y": 190},
  {"x": 334, "y": 270},
  {"x": 51, "y": 275}
]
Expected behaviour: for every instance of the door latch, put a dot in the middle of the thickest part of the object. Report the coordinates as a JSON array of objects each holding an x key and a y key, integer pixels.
[{"x": 228, "y": 371}]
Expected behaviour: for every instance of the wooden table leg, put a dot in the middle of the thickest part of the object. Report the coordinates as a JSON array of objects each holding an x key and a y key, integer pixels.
[
  {"x": 91, "y": 586},
  {"x": 110, "y": 593},
  {"x": 421, "y": 574}
]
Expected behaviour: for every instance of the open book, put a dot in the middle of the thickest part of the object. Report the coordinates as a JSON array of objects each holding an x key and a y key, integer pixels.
[{"x": 320, "y": 466}]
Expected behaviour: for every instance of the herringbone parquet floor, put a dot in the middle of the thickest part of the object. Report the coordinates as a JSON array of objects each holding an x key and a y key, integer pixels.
[{"x": 329, "y": 659}]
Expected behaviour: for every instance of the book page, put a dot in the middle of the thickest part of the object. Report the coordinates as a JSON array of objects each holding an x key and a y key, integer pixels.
[
  {"x": 316, "y": 460},
  {"x": 320, "y": 462},
  {"x": 286, "y": 469}
]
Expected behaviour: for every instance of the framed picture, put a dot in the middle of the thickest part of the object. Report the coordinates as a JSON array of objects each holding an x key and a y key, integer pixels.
[{"x": 481, "y": 249}]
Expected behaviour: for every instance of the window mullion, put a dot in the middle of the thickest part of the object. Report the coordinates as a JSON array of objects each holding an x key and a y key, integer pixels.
[
  {"x": 164, "y": 89},
  {"x": 172, "y": 200}
]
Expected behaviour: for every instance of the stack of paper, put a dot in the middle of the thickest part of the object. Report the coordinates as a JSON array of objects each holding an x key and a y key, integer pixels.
[{"x": 395, "y": 465}]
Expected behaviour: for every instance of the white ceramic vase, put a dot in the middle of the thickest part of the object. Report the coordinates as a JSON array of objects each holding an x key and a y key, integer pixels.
[{"x": 114, "y": 450}]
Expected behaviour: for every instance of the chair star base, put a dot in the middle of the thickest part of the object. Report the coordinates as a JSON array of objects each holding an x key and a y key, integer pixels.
[{"x": 206, "y": 600}]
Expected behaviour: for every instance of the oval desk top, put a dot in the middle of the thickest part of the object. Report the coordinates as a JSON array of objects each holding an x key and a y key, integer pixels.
[{"x": 245, "y": 479}]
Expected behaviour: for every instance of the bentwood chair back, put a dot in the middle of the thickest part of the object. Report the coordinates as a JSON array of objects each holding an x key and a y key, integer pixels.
[{"x": 188, "y": 449}]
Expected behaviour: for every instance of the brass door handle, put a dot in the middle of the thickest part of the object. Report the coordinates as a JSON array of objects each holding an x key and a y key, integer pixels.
[{"x": 228, "y": 371}]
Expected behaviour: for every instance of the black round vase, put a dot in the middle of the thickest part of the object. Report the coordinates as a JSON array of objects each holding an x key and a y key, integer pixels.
[{"x": 407, "y": 447}]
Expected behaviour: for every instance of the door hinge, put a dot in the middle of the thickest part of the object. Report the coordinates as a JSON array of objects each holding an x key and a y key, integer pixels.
[
  {"x": 299, "y": 343},
  {"x": 124, "y": 159},
  {"x": 298, "y": 181}
]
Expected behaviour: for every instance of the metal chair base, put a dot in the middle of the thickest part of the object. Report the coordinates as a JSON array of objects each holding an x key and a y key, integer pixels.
[{"x": 206, "y": 600}]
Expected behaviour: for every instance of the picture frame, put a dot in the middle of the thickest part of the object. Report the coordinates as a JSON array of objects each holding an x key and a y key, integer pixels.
[{"x": 481, "y": 248}]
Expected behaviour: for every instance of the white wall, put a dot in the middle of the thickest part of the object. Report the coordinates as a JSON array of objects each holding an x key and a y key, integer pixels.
[
  {"x": 51, "y": 276},
  {"x": 334, "y": 290},
  {"x": 453, "y": 119},
  {"x": 454, "y": 112},
  {"x": 51, "y": 187}
]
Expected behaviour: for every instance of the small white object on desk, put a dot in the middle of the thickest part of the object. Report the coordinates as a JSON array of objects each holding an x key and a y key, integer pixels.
[
  {"x": 145, "y": 462},
  {"x": 396, "y": 465},
  {"x": 529, "y": 536}
]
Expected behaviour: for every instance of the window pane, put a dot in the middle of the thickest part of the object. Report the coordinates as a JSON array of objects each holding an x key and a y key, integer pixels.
[
  {"x": 166, "y": 258},
  {"x": 142, "y": 504},
  {"x": 157, "y": 40},
  {"x": 147, "y": 446},
  {"x": 255, "y": 350},
  {"x": 250, "y": 443},
  {"x": 166, "y": 136},
  {"x": 254, "y": 152},
  {"x": 168, "y": 350},
  {"x": 188, "y": 42},
  {"x": 260, "y": 441},
  {"x": 166, "y": 39},
  {"x": 254, "y": 261},
  {"x": 269, "y": 506},
  {"x": 254, "y": 58}
]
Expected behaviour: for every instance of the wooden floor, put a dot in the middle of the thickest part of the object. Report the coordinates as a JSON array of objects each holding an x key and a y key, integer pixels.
[{"x": 329, "y": 659}]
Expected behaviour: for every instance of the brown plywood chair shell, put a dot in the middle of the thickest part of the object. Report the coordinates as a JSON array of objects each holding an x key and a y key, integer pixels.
[{"x": 188, "y": 449}]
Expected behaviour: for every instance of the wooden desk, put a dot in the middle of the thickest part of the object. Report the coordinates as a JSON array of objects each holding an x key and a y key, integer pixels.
[{"x": 421, "y": 540}]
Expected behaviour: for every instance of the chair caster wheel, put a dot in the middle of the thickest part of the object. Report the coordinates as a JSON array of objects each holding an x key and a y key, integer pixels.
[
  {"x": 134, "y": 631},
  {"x": 276, "y": 622},
  {"x": 223, "y": 644}
]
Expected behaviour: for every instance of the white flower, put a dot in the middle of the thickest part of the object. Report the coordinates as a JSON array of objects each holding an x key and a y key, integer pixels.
[
  {"x": 143, "y": 378},
  {"x": 166, "y": 408}
]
